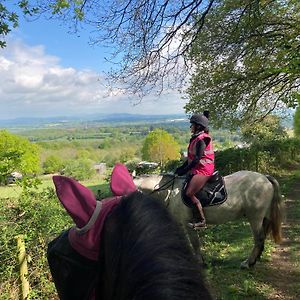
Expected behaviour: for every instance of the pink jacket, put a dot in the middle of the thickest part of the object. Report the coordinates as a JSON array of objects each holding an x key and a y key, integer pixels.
[{"x": 206, "y": 164}]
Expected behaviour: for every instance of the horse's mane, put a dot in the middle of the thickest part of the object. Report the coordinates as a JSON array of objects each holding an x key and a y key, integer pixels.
[{"x": 144, "y": 255}]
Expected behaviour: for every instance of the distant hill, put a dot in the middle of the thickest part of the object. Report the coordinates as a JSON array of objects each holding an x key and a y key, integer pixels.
[
  {"x": 106, "y": 119},
  {"x": 66, "y": 121}
]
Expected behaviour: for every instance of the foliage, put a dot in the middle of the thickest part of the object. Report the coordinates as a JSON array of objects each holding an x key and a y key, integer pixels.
[
  {"x": 105, "y": 144},
  {"x": 159, "y": 146},
  {"x": 10, "y": 19},
  {"x": 39, "y": 217},
  {"x": 17, "y": 154},
  {"x": 52, "y": 164},
  {"x": 142, "y": 35},
  {"x": 79, "y": 169},
  {"x": 297, "y": 119},
  {"x": 171, "y": 166},
  {"x": 150, "y": 40},
  {"x": 127, "y": 155},
  {"x": 266, "y": 130},
  {"x": 247, "y": 61},
  {"x": 269, "y": 157},
  {"x": 132, "y": 165}
]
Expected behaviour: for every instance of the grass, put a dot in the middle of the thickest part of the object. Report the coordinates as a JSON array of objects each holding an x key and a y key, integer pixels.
[
  {"x": 95, "y": 184},
  {"x": 39, "y": 217},
  {"x": 226, "y": 246}
]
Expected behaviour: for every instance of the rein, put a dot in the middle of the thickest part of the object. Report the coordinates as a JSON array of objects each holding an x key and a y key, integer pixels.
[{"x": 165, "y": 186}]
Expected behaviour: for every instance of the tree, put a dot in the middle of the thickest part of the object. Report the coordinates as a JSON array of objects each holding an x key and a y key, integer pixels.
[
  {"x": 297, "y": 119},
  {"x": 264, "y": 131},
  {"x": 52, "y": 164},
  {"x": 10, "y": 19},
  {"x": 159, "y": 146},
  {"x": 128, "y": 154},
  {"x": 245, "y": 54},
  {"x": 149, "y": 37},
  {"x": 7, "y": 20},
  {"x": 247, "y": 61},
  {"x": 79, "y": 169},
  {"x": 17, "y": 154}
]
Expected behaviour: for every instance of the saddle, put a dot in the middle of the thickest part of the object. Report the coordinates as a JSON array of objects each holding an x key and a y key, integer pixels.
[{"x": 213, "y": 193}]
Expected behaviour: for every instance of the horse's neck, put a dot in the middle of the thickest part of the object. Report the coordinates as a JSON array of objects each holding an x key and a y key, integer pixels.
[{"x": 158, "y": 182}]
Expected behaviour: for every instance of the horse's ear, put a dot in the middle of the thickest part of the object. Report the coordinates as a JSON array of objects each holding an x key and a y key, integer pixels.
[
  {"x": 78, "y": 200},
  {"x": 121, "y": 183}
]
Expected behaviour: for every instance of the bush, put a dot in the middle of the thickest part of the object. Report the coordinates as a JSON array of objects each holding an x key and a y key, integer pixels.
[
  {"x": 52, "y": 164},
  {"x": 265, "y": 157},
  {"x": 79, "y": 169},
  {"x": 17, "y": 154},
  {"x": 172, "y": 165},
  {"x": 39, "y": 217}
]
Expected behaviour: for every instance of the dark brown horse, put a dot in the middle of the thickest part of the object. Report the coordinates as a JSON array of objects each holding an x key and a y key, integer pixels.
[{"x": 121, "y": 248}]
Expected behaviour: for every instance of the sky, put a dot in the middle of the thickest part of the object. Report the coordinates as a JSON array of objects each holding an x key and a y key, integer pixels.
[{"x": 46, "y": 71}]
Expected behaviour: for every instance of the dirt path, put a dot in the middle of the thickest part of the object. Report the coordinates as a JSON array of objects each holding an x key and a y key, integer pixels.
[{"x": 284, "y": 267}]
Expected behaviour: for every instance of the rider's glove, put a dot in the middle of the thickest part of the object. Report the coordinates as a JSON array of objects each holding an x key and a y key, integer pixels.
[{"x": 180, "y": 171}]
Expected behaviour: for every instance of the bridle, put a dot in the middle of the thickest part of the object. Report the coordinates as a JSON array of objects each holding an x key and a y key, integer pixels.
[{"x": 165, "y": 186}]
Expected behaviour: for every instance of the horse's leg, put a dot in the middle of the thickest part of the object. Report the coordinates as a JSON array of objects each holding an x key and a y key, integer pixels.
[
  {"x": 266, "y": 230},
  {"x": 258, "y": 227},
  {"x": 194, "y": 241}
]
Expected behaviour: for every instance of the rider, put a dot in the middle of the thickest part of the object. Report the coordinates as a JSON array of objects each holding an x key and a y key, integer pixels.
[{"x": 200, "y": 162}]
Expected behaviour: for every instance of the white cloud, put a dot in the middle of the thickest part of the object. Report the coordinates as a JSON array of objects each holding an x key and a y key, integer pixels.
[{"x": 34, "y": 83}]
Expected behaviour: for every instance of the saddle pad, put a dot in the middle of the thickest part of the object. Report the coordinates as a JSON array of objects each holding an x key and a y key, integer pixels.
[{"x": 213, "y": 193}]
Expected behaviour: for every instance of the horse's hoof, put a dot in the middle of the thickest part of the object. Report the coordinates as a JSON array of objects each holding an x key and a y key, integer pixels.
[{"x": 244, "y": 264}]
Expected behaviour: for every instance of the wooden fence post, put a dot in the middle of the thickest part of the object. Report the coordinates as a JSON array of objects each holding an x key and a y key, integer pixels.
[{"x": 23, "y": 267}]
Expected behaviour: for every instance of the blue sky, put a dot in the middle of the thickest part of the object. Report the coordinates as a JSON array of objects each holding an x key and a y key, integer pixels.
[{"x": 46, "y": 71}]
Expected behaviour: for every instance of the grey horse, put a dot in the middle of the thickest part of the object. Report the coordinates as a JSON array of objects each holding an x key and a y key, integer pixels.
[{"x": 251, "y": 195}]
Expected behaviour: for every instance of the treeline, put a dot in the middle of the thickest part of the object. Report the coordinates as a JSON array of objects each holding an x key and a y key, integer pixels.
[
  {"x": 67, "y": 150},
  {"x": 93, "y": 145},
  {"x": 180, "y": 131},
  {"x": 269, "y": 157}
]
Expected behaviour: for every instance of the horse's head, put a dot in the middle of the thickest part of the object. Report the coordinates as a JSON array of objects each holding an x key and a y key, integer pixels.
[
  {"x": 87, "y": 213},
  {"x": 73, "y": 254},
  {"x": 121, "y": 248}
]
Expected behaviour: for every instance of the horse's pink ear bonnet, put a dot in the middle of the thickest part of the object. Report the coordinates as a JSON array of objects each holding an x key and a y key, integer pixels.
[
  {"x": 121, "y": 181},
  {"x": 87, "y": 213}
]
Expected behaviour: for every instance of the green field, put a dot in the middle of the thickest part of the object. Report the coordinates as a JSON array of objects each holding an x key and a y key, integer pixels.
[
  {"x": 14, "y": 191},
  {"x": 39, "y": 217}
]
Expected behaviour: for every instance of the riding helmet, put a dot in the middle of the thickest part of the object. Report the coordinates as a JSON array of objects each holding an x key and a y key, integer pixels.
[{"x": 199, "y": 120}]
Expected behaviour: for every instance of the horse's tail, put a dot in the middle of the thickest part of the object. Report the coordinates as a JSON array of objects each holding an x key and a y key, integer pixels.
[{"x": 276, "y": 213}]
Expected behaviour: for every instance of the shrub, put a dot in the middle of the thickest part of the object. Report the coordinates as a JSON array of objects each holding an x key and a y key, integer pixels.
[
  {"x": 264, "y": 157},
  {"x": 39, "y": 217},
  {"x": 79, "y": 169},
  {"x": 52, "y": 164}
]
